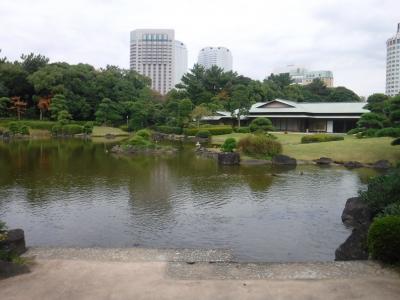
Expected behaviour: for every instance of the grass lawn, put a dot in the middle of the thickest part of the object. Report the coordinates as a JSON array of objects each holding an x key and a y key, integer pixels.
[
  {"x": 99, "y": 131},
  {"x": 366, "y": 150}
]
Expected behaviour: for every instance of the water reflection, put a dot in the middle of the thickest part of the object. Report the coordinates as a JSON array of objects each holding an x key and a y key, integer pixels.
[{"x": 75, "y": 193}]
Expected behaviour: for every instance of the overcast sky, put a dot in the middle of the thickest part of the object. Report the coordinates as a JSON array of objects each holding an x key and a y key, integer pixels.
[{"x": 345, "y": 36}]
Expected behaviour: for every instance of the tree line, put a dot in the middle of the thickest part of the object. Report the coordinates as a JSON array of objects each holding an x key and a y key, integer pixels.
[{"x": 35, "y": 88}]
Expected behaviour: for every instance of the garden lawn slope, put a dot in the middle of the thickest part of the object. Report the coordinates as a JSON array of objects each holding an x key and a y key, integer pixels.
[
  {"x": 100, "y": 131},
  {"x": 366, "y": 150}
]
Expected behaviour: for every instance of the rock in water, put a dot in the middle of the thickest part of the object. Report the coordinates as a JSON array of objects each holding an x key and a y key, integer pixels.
[
  {"x": 228, "y": 158},
  {"x": 353, "y": 164},
  {"x": 284, "y": 160},
  {"x": 356, "y": 213},
  {"x": 355, "y": 247}
]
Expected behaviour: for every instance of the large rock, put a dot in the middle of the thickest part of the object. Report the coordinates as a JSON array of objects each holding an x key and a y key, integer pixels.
[
  {"x": 15, "y": 242},
  {"x": 355, "y": 247},
  {"x": 284, "y": 160},
  {"x": 323, "y": 161},
  {"x": 8, "y": 269},
  {"x": 356, "y": 213},
  {"x": 353, "y": 164},
  {"x": 381, "y": 164},
  {"x": 228, "y": 158}
]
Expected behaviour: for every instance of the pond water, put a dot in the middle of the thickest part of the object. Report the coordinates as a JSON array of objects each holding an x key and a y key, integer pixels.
[{"x": 76, "y": 193}]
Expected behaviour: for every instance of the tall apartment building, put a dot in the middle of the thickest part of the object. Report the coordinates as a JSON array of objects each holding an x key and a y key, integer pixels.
[
  {"x": 156, "y": 54},
  {"x": 393, "y": 64},
  {"x": 216, "y": 56},
  {"x": 301, "y": 75}
]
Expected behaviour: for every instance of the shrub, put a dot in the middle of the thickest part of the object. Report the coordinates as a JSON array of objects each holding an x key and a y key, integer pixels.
[
  {"x": 215, "y": 130},
  {"x": 389, "y": 131},
  {"x": 18, "y": 128},
  {"x": 144, "y": 133},
  {"x": 261, "y": 124},
  {"x": 243, "y": 129},
  {"x": 384, "y": 239},
  {"x": 124, "y": 128},
  {"x": 382, "y": 191},
  {"x": 169, "y": 129},
  {"x": 56, "y": 129},
  {"x": 71, "y": 129},
  {"x": 229, "y": 145},
  {"x": 395, "y": 142},
  {"x": 318, "y": 138},
  {"x": 203, "y": 133},
  {"x": 354, "y": 131},
  {"x": 43, "y": 125},
  {"x": 371, "y": 120},
  {"x": 367, "y": 133},
  {"x": 88, "y": 127},
  {"x": 138, "y": 141},
  {"x": 391, "y": 210},
  {"x": 259, "y": 146}
]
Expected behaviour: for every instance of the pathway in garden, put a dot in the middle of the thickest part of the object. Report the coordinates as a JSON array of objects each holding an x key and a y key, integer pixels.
[{"x": 191, "y": 274}]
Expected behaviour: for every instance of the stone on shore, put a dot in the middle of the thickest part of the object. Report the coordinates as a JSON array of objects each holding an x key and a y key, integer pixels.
[
  {"x": 228, "y": 158},
  {"x": 15, "y": 242},
  {"x": 355, "y": 247},
  {"x": 283, "y": 160},
  {"x": 381, "y": 164},
  {"x": 323, "y": 161},
  {"x": 353, "y": 164}
]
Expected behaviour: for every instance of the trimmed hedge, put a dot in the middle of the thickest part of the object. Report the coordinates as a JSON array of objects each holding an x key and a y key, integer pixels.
[
  {"x": 319, "y": 138},
  {"x": 243, "y": 129},
  {"x": 216, "y": 130},
  {"x": 259, "y": 145},
  {"x": 71, "y": 129},
  {"x": 389, "y": 131},
  {"x": 168, "y": 129},
  {"x": 384, "y": 239},
  {"x": 261, "y": 124},
  {"x": 203, "y": 133},
  {"x": 229, "y": 145}
]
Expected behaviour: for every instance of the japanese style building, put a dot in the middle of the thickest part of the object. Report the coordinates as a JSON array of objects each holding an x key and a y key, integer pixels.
[{"x": 300, "y": 116}]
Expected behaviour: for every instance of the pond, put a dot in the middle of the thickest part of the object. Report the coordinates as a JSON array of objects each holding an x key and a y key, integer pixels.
[{"x": 76, "y": 193}]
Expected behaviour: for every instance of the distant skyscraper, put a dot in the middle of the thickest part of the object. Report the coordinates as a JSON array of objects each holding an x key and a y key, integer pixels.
[
  {"x": 155, "y": 53},
  {"x": 393, "y": 64},
  {"x": 216, "y": 56},
  {"x": 181, "y": 61}
]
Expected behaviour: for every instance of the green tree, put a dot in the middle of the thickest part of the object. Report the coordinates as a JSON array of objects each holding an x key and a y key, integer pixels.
[
  {"x": 281, "y": 80},
  {"x": 63, "y": 117},
  {"x": 109, "y": 112},
  {"x": 200, "y": 112},
  {"x": 376, "y": 103},
  {"x": 239, "y": 104},
  {"x": 371, "y": 120},
  {"x": 261, "y": 125},
  {"x": 58, "y": 104},
  {"x": 342, "y": 94},
  {"x": 4, "y": 103},
  {"x": 32, "y": 62}
]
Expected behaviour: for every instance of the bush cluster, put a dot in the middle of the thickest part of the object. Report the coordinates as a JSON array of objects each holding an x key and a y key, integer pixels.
[
  {"x": 259, "y": 146},
  {"x": 88, "y": 127},
  {"x": 229, "y": 145},
  {"x": 18, "y": 128},
  {"x": 382, "y": 191},
  {"x": 139, "y": 141},
  {"x": 203, "y": 133},
  {"x": 169, "y": 129},
  {"x": 215, "y": 130},
  {"x": 320, "y": 137},
  {"x": 261, "y": 124},
  {"x": 145, "y": 133},
  {"x": 389, "y": 131},
  {"x": 384, "y": 239},
  {"x": 69, "y": 129},
  {"x": 243, "y": 129}
]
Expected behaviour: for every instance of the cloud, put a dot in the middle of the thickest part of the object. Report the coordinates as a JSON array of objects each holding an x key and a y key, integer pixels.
[{"x": 347, "y": 37}]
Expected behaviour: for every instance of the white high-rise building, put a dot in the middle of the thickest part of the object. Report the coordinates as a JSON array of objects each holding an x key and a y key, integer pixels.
[
  {"x": 155, "y": 53},
  {"x": 181, "y": 61},
  {"x": 216, "y": 56},
  {"x": 393, "y": 64}
]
